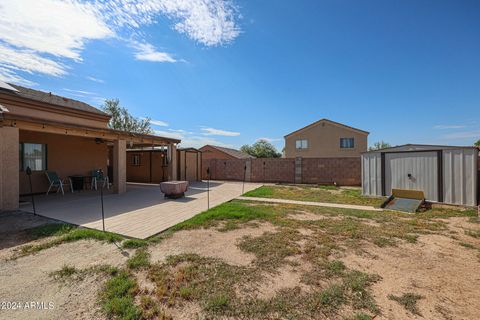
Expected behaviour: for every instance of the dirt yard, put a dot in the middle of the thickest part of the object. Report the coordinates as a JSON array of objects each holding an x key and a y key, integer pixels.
[{"x": 246, "y": 260}]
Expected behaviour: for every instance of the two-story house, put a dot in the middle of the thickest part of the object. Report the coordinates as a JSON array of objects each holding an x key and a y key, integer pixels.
[{"x": 326, "y": 138}]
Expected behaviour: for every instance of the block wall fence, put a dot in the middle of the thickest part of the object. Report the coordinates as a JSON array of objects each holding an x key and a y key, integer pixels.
[{"x": 343, "y": 171}]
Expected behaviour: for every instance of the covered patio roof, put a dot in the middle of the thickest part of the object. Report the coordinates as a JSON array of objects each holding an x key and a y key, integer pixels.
[{"x": 41, "y": 125}]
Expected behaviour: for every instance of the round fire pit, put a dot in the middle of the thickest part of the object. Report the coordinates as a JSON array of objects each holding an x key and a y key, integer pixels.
[{"x": 174, "y": 189}]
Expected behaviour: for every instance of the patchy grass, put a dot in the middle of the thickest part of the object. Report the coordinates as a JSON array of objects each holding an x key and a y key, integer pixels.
[
  {"x": 65, "y": 235},
  {"x": 151, "y": 310},
  {"x": 65, "y": 272},
  {"x": 232, "y": 213},
  {"x": 49, "y": 230},
  {"x": 316, "y": 193},
  {"x": 219, "y": 288},
  {"x": 433, "y": 213},
  {"x": 141, "y": 259},
  {"x": 206, "y": 280},
  {"x": 467, "y": 245},
  {"x": 359, "y": 316},
  {"x": 68, "y": 272},
  {"x": 222, "y": 290},
  {"x": 271, "y": 249},
  {"x": 473, "y": 233},
  {"x": 408, "y": 301},
  {"x": 330, "y": 299},
  {"x": 118, "y": 295},
  {"x": 134, "y": 243}
]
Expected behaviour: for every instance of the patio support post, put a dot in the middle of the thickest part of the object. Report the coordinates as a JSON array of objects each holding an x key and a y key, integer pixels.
[
  {"x": 119, "y": 166},
  {"x": 173, "y": 162},
  {"x": 9, "y": 168}
]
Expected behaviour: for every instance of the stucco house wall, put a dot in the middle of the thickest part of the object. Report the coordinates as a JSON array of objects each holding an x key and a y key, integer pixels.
[
  {"x": 324, "y": 141},
  {"x": 66, "y": 155}
]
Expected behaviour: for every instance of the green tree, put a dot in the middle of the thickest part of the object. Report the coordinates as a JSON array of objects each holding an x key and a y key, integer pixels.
[
  {"x": 261, "y": 149},
  {"x": 123, "y": 120},
  {"x": 477, "y": 143},
  {"x": 379, "y": 145}
]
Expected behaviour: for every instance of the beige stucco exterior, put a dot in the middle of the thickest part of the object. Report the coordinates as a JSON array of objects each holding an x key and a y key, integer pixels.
[
  {"x": 66, "y": 155},
  {"x": 77, "y": 140},
  {"x": 34, "y": 110},
  {"x": 152, "y": 168},
  {"x": 9, "y": 166},
  {"x": 324, "y": 141}
]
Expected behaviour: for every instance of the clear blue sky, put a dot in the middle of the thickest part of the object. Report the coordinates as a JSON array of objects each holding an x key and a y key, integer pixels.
[{"x": 407, "y": 71}]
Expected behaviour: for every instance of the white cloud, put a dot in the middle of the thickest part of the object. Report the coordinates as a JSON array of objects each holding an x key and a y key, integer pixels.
[
  {"x": 269, "y": 139},
  {"x": 159, "y": 123},
  {"x": 40, "y": 36},
  {"x": 449, "y": 126},
  {"x": 190, "y": 139},
  {"x": 79, "y": 92},
  {"x": 147, "y": 52},
  {"x": 169, "y": 134},
  {"x": 59, "y": 28},
  {"x": 475, "y": 134},
  {"x": 98, "y": 101},
  {"x": 210, "y": 22},
  {"x": 219, "y": 132},
  {"x": 180, "y": 131},
  {"x": 200, "y": 141},
  {"x": 6, "y": 75},
  {"x": 28, "y": 61},
  {"x": 95, "y": 79}
]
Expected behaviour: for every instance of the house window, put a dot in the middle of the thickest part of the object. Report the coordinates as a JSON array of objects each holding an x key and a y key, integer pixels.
[
  {"x": 301, "y": 144},
  {"x": 347, "y": 143},
  {"x": 136, "y": 159},
  {"x": 33, "y": 155}
]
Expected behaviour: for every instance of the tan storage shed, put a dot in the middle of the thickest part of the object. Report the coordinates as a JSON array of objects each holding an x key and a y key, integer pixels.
[
  {"x": 445, "y": 174},
  {"x": 189, "y": 164}
]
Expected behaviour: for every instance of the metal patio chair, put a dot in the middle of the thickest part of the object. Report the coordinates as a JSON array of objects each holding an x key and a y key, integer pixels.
[
  {"x": 98, "y": 176},
  {"x": 57, "y": 182}
]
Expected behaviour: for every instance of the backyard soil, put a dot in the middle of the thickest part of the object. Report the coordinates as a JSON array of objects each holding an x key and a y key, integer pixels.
[
  {"x": 209, "y": 243},
  {"x": 28, "y": 279},
  {"x": 438, "y": 267}
]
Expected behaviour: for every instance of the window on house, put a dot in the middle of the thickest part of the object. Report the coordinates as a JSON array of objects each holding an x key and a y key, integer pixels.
[
  {"x": 136, "y": 159},
  {"x": 346, "y": 143},
  {"x": 301, "y": 144},
  {"x": 33, "y": 155}
]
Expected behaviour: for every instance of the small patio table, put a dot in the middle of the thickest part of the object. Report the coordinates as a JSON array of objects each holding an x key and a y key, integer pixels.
[
  {"x": 77, "y": 182},
  {"x": 174, "y": 189}
]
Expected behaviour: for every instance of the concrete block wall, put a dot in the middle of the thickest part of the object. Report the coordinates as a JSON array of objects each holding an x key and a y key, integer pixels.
[
  {"x": 223, "y": 169},
  {"x": 273, "y": 170},
  {"x": 343, "y": 171}
]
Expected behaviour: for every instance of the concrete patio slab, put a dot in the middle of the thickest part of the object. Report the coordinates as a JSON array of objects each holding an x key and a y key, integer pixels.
[{"x": 140, "y": 212}]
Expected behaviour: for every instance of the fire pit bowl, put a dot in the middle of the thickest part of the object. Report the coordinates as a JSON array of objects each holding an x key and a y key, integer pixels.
[{"x": 174, "y": 189}]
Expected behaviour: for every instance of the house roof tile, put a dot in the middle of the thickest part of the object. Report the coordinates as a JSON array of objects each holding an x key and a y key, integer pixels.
[{"x": 48, "y": 97}]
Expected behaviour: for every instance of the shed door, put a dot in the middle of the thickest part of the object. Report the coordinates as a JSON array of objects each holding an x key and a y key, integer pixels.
[
  {"x": 422, "y": 166},
  {"x": 191, "y": 166}
]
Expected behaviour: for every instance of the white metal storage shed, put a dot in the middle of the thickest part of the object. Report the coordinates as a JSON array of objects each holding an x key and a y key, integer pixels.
[{"x": 444, "y": 173}]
